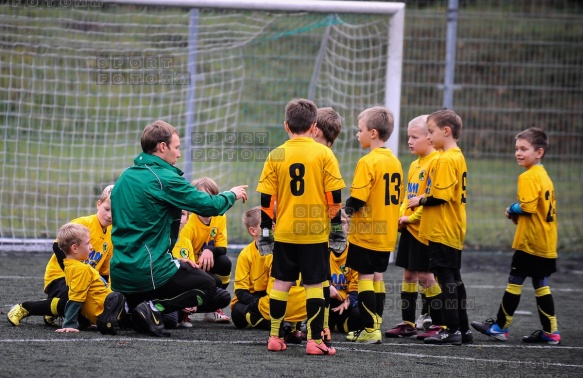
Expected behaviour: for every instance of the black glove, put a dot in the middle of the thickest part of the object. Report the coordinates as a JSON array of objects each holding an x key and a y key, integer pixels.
[
  {"x": 337, "y": 239},
  {"x": 265, "y": 242}
]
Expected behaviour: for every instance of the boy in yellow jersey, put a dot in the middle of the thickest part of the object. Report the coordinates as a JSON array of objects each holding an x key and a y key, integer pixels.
[
  {"x": 535, "y": 242},
  {"x": 344, "y": 312},
  {"x": 328, "y": 126},
  {"x": 304, "y": 176},
  {"x": 375, "y": 198},
  {"x": 443, "y": 224},
  {"x": 89, "y": 294},
  {"x": 251, "y": 277},
  {"x": 99, "y": 226},
  {"x": 413, "y": 253},
  {"x": 208, "y": 236}
]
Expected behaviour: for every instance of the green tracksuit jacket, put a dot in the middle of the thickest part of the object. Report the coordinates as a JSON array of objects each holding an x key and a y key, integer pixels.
[{"x": 146, "y": 204}]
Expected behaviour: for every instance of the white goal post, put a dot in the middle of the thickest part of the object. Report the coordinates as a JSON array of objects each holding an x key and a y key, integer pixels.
[{"x": 69, "y": 127}]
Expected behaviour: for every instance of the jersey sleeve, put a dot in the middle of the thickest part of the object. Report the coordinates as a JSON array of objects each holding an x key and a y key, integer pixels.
[
  {"x": 268, "y": 179},
  {"x": 528, "y": 194},
  {"x": 221, "y": 238},
  {"x": 444, "y": 180},
  {"x": 362, "y": 183},
  {"x": 79, "y": 280}
]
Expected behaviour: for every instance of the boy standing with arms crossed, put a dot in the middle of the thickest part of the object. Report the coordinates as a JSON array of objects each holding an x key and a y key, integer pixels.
[
  {"x": 535, "y": 243},
  {"x": 304, "y": 177},
  {"x": 375, "y": 199},
  {"x": 444, "y": 224}
]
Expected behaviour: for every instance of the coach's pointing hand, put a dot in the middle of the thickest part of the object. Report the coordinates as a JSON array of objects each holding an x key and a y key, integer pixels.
[{"x": 240, "y": 192}]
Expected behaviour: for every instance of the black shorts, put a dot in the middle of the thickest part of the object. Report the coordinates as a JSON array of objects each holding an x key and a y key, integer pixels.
[
  {"x": 443, "y": 256},
  {"x": 367, "y": 261},
  {"x": 527, "y": 265},
  {"x": 412, "y": 254},
  {"x": 311, "y": 260},
  {"x": 57, "y": 289}
]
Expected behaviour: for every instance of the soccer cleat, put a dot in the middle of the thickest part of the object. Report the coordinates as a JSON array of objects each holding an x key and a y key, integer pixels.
[
  {"x": 186, "y": 322},
  {"x": 423, "y": 322},
  {"x": 401, "y": 330},
  {"x": 16, "y": 314},
  {"x": 467, "y": 337},
  {"x": 541, "y": 336},
  {"x": 366, "y": 337},
  {"x": 445, "y": 337},
  {"x": 432, "y": 331},
  {"x": 53, "y": 321},
  {"x": 313, "y": 348},
  {"x": 490, "y": 328},
  {"x": 291, "y": 335},
  {"x": 113, "y": 308},
  {"x": 147, "y": 320},
  {"x": 216, "y": 317},
  {"x": 275, "y": 344}
]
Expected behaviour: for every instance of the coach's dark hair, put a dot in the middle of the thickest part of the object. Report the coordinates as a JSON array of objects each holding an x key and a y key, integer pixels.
[
  {"x": 330, "y": 123},
  {"x": 156, "y": 132},
  {"x": 380, "y": 119},
  {"x": 447, "y": 117},
  {"x": 300, "y": 115},
  {"x": 536, "y": 137}
]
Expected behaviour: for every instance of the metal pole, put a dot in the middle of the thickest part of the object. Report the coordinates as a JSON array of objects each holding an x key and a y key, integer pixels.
[
  {"x": 191, "y": 93},
  {"x": 448, "y": 85}
]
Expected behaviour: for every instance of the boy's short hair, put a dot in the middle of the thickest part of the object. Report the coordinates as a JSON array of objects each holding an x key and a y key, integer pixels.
[
  {"x": 447, "y": 117},
  {"x": 536, "y": 137},
  {"x": 330, "y": 123},
  {"x": 156, "y": 132},
  {"x": 300, "y": 115},
  {"x": 380, "y": 119},
  {"x": 69, "y": 234},
  {"x": 106, "y": 194},
  {"x": 252, "y": 217},
  {"x": 206, "y": 184},
  {"x": 419, "y": 121}
]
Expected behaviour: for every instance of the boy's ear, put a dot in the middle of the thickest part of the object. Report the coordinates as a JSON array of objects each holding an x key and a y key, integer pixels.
[{"x": 286, "y": 125}]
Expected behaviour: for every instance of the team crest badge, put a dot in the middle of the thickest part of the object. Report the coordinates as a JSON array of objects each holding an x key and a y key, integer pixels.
[
  {"x": 105, "y": 246},
  {"x": 422, "y": 175},
  {"x": 184, "y": 252},
  {"x": 214, "y": 232},
  {"x": 344, "y": 269}
]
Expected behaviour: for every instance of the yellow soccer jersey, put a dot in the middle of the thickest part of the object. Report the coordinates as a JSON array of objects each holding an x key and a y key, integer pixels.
[
  {"x": 296, "y": 300},
  {"x": 537, "y": 232},
  {"x": 378, "y": 181},
  {"x": 344, "y": 279},
  {"x": 98, "y": 258},
  {"x": 183, "y": 249},
  {"x": 86, "y": 286},
  {"x": 250, "y": 271},
  {"x": 203, "y": 236},
  {"x": 417, "y": 180},
  {"x": 446, "y": 223},
  {"x": 299, "y": 173}
]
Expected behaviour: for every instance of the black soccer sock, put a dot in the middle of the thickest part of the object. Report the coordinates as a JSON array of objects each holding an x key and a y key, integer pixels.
[
  {"x": 509, "y": 304},
  {"x": 315, "y": 312},
  {"x": 380, "y": 296},
  {"x": 277, "y": 307},
  {"x": 546, "y": 309},
  {"x": 367, "y": 303},
  {"x": 462, "y": 307},
  {"x": 42, "y": 307},
  {"x": 435, "y": 304},
  {"x": 450, "y": 298},
  {"x": 409, "y": 301},
  {"x": 326, "y": 289}
]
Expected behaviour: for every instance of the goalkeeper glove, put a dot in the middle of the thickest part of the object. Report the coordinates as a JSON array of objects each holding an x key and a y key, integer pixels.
[
  {"x": 265, "y": 242},
  {"x": 337, "y": 239}
]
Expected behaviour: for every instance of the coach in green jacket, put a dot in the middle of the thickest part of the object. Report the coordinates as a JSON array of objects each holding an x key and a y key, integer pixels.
[{"x": 146, "y": 202}]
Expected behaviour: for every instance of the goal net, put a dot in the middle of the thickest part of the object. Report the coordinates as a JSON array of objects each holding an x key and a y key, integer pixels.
[{"x": 78, "y": 83}]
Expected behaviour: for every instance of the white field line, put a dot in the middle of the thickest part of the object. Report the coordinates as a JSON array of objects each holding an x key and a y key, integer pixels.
[{"x": 351, "y": 349}]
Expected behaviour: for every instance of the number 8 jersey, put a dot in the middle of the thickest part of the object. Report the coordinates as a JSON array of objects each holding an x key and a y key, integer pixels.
[{"x": 299, "y": 173}]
